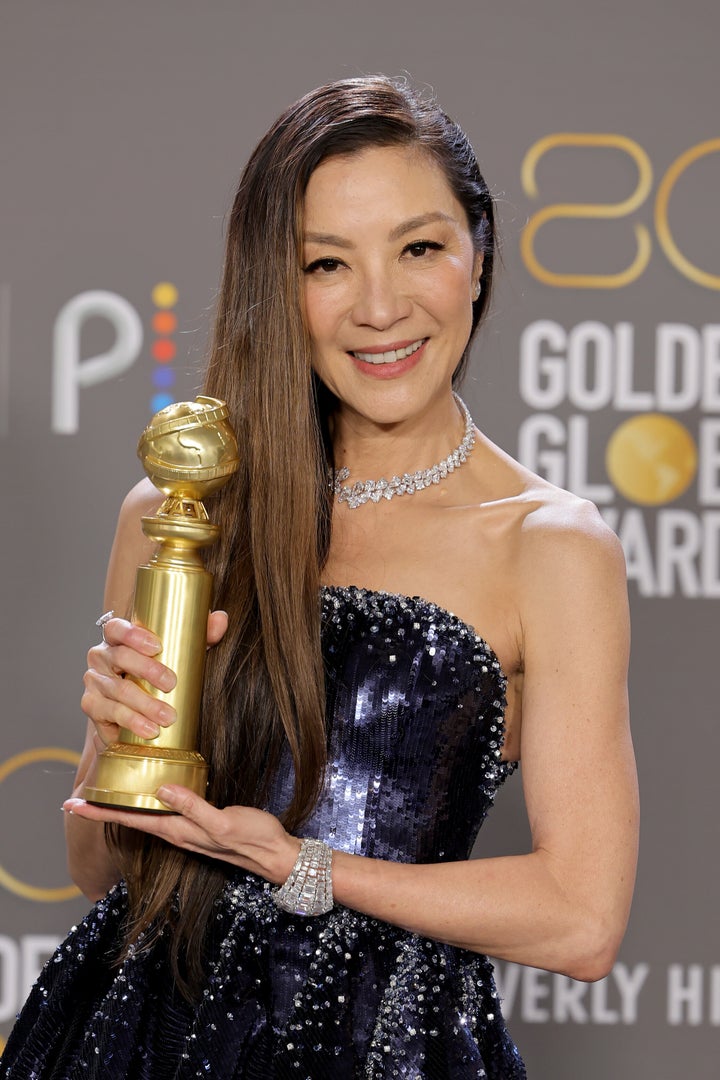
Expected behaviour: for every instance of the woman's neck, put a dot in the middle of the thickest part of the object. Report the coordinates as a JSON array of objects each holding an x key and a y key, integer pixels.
[{"x": 371, "y": 450}]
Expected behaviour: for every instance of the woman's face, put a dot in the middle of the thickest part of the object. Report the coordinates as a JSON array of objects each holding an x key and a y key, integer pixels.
[{"x": 389, "y": 272}]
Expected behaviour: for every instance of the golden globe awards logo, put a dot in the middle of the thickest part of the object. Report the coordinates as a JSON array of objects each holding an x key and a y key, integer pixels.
[
  {"x": 624, "y": 415},
  {"x": 650, "y": 458}
]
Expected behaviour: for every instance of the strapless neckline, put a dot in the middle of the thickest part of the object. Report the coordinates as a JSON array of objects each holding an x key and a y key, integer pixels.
[{"x": 419, "y": 602}]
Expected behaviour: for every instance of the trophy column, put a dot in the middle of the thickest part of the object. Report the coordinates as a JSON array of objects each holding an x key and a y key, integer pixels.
[{"x": 173, "y": 594}]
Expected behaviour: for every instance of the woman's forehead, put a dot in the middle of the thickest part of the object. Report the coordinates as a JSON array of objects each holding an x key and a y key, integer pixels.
[{"x": 398, "y": 180}]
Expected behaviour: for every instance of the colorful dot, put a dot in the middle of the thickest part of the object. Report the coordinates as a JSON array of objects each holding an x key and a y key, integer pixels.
[
  {"x": 163, "y": 377},
  {"x": 651, "y": 459},
  {"x": 164, "y": 322},
  {"x": 164, "y": 295},
  {"x": 164, "y": 350},
  {"x": 160, "y": 401}
]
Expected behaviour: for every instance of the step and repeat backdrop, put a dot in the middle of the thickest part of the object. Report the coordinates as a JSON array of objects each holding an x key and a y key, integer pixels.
[{"x": 123, "y": 128}]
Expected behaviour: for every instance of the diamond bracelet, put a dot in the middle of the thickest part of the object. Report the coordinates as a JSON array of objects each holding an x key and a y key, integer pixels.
[{"x": 308, "y": 889}]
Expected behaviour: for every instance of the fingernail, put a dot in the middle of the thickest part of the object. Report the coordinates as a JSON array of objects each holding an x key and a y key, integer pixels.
[
  {"x": 167, "y": 683},
  {"x": 150, "y": 731},
  {"x": 165, "y": 795},
  {"x": 152, "y": 643},
  {"x": 166, "y": 714}
]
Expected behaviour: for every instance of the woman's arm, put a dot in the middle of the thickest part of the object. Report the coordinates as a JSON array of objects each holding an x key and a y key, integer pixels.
[
  {"x": 564, "y": 905},
  {"x": 90, "y": 862}
]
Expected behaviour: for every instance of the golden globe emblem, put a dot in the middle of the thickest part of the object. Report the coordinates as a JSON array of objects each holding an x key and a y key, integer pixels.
[
  {"x": 651, "y": 459},
  {"x": 189, "y": 451}
]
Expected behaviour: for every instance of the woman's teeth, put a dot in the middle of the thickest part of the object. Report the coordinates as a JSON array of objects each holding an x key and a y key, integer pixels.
[{"x": 389, "y": 357}]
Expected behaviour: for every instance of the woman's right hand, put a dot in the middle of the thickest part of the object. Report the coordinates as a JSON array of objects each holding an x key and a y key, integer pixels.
[{"x": 111, "y": 701}]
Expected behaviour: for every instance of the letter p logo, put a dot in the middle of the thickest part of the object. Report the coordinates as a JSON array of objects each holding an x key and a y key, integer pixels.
[{"x": 70, "y": 373}]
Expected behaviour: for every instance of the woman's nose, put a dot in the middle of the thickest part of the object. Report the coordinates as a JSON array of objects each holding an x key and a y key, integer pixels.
[{"x": 380, "y": 301}]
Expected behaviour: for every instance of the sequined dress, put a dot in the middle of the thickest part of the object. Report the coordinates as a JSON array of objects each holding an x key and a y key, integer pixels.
[{"x": 415, "y": 723}]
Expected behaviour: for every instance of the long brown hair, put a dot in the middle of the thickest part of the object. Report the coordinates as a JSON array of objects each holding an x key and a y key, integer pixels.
[{"x": 264, "y": 688}]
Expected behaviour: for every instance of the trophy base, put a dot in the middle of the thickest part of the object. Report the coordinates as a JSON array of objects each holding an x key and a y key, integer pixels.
[{"x": 128, "y": 776}]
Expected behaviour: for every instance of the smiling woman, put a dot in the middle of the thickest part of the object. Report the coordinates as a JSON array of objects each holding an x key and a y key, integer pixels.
[
  {"x": 390, "y": 273},
  {"x": 319, "y": 915}
]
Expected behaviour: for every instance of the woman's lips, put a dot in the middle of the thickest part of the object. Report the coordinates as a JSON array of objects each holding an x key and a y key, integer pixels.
[
  {"x": 389, "y": 363},
  {"x": 389, "y": 356}
]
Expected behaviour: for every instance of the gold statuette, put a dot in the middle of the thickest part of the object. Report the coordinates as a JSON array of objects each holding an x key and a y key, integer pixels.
[{"x": 189, "y": 451}]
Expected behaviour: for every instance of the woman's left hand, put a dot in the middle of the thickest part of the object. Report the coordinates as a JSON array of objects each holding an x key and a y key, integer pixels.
[{"x": 241, "y": 835}]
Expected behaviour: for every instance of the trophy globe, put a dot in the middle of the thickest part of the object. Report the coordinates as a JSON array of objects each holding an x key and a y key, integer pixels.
[{"x": 189, "y": 451}]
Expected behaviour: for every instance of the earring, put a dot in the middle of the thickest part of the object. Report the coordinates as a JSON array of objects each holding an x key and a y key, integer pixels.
[{"x": 476, "y": 291}]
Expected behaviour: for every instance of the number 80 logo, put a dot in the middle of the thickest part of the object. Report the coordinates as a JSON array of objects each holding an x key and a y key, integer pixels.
[{"x": 613, "y": 210}]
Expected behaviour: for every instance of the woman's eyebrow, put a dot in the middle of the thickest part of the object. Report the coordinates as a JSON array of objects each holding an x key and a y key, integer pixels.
[
  {"x": 418, "y": 222},
  {"x": 400, "y": 230},
  {"x": 327, "y": 238}
]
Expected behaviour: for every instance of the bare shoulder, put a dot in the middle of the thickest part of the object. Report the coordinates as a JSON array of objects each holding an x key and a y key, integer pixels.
[
  {"x": 544, "y": 525},
  {"x": 140, "y": 500},
  {"x": 564, "y": 534},
  {"x": 571, "y": 578},
  {"x": 130, "y": 547}
]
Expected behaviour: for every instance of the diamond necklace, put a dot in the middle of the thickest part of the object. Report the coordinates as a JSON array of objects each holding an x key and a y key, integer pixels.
[{"x": 363, "y": 491}]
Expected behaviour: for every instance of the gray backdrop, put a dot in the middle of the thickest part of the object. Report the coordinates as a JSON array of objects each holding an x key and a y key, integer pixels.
[{"x": 123, "y": 128}]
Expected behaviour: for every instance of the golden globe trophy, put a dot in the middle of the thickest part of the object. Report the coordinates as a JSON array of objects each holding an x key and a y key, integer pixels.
[{"x": 189, "y": 451}]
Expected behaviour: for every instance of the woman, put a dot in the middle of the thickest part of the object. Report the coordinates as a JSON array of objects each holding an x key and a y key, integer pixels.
[{"x": 359, "y": 264}]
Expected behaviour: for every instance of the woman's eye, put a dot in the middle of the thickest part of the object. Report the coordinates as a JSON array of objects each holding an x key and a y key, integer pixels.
[
  {"x": 421, "y": 247},
  {"x": 325, "y": 265}
]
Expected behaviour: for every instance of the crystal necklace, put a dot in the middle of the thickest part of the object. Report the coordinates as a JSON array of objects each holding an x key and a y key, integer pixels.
[{"x": 374, "y": 490}]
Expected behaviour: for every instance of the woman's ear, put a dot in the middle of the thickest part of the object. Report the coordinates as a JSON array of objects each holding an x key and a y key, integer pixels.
[{"x": 476, "y": 276}]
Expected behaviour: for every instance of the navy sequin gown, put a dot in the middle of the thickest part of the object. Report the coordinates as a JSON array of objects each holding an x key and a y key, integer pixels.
[{"x": 415, "y": 712}]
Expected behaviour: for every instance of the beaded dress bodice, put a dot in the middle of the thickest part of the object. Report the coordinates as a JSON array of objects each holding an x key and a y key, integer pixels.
[
  {"x": 415, "y": 725},
  {"x": 415, "y": 702}
]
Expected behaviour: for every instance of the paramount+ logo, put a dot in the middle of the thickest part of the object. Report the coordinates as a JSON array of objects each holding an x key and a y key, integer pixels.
[{"x": 72, "y": 372}]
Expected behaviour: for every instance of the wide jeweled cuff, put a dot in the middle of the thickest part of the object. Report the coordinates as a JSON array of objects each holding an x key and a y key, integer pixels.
[{"x": 308, "y": 889}]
